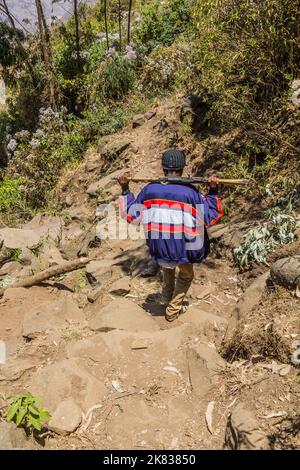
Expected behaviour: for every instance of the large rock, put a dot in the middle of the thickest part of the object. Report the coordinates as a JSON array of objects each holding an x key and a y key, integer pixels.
[
  {"x": 204, "y": 366},
  {"x": 46, "y": 227},
  {"x": 251, "y": 297},
  {"x": 103, "y": 348},
  {"x": 16, "y": 238},
  {"x": 120, "y": 287},
  {"x": 12, "y": 437},
  {"x": 209, "y": 324},
  {"x": 242, "y": 431},
  {"x": 123, "y": 314},
  {"x": 51, "y": 315},
  {"x": 110, "y": 150},
  {"x": 217, "y": 231},
  {"x": 100, "y": 270},
  {"x": 139, "y": 262},
  {"x": 106, "y": 185},
  {"x": 250, "y": 300},
  {"x": 48, "y": 256},
  {"x": 12, "y": 370},
  {"x": 11, "y": 269},
  {"x": 286, "y": 271},
  {"x": 138, "y": 120},
  {"x": 66, "y": 418},
  {"x": 67, "y": 379}
]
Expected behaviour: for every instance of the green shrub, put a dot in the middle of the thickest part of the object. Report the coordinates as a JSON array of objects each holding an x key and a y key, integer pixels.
[
  {"x": 24, "y": 411},
  {"x": 246, "y": 52},
  {"x": 40, "y": 156},
  {"x": 101, "y": 120},
  {"x": 258, "y": 242},
  {"x": 167, "y": 67},
  {"x": 162, "y": 22},
  {"x": 11, "y": 199},
  {"x": 114, "y": 78}
]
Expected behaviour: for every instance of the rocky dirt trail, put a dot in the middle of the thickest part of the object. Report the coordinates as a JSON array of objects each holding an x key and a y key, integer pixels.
[{"x": 94, "y": 343}]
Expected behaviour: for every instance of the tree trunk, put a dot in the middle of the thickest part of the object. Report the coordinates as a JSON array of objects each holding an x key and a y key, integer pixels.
[
  {"x": 41, "y": 30},
  {"x": 120, "y": 25},
  {"x": 63, "y": 268},
  {"x": 46, "y": 53},
  {"x": 77, "y": 34},
  {"x": 22, "y": 50},
  {"x": 3, "y": 155},
  {"x": 106, "y": 25},
  {"x": 129, "y": 21}
]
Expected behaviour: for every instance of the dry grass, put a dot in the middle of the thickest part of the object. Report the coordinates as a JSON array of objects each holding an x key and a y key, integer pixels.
[{"x": 268, "y": 331}]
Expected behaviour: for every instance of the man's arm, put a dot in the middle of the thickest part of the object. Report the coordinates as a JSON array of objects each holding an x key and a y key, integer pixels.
[
  {"x": 131, "y": 208},
  {"x": 212, "y": 203}
]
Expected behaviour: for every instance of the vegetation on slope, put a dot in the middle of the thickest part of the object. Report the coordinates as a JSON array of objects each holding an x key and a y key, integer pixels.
[{"x": 66, "y": 90}]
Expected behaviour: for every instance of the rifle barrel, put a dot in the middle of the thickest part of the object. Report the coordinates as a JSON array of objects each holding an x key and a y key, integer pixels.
[{"x": 191, "y": 180}]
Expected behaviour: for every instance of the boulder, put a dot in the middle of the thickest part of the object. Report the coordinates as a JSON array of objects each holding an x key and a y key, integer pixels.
[
  {"x": 103, "y": 348},
  {"x": 252, "y": 296},
  {"x": 26, "y": 257},
  {"x": 79, "y": 213},
  {"x": 50, "y": 315},
  {"x": 138, "y": 120},
  {"x": 149, "y": 115},
  {"x": 94, "y": 294},
  {"x": 209, "y": 324},
  {"x": 48, "y": 256},
  {"x": 47, "y": 227},
  {"x": 11, "y": 269},
  {"x": 286, "y": 272},
  {"x": 123, "y": 314},
  {"x": 120, "y": 287},
  {"x": 217, "y": 231},
  {"x": 204, "y": 366},
  {"x": 13, "y": 370},
  {"x": 17, "y": 238},
  {"x": 12, "y": 437},
  {"x": 67, "y": 379},
  {"x": 250, "y": 299},
  {"x": 92, "y": 165},
  {"x": 66, "y": 418},
  {"x": 242, "y": 431},
  {"x": 100, "y": 270},
  {"x": 232, "y": 235},
  {"x": 139, "y": 262},
  {"x": 106, "y": 185},
  {"x": 110, "y": 150}
]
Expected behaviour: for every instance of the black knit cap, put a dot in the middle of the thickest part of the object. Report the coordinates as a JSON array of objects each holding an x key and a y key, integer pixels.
[{"x": 173, "y": 159}]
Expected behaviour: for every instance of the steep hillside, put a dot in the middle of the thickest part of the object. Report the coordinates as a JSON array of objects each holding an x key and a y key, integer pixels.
[{"x": 219, "y": 80}]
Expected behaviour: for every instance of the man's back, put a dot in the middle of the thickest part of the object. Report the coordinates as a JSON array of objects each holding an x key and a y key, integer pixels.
[{"x": 174, "y": 217}]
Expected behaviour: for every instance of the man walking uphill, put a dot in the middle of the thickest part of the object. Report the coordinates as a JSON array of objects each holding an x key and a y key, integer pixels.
[{"x": 174, "y": 217}]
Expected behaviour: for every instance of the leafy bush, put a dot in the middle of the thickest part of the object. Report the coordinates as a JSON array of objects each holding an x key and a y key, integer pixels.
[
  {"x": 101, "y": 120},
  {"x": 40, "y": 156},
  {"x": 162, "y": 22},
  {"x": 247, "y": 52},
  {"x": 11, "y": 200},
  {"x": 167, "y": 67},
  {"x": 23, "y": 410},
  {"x": 114, "y": 78},
  {"x": 259, "y": 241}
]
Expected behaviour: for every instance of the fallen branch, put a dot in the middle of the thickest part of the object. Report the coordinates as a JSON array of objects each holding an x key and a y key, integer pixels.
[{"x": 63, "y": 268}]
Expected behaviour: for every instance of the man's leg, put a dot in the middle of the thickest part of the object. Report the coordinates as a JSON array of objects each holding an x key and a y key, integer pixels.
[
  {"x": 183, "y": 283},
  {"x": 168, "y": 284}
]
